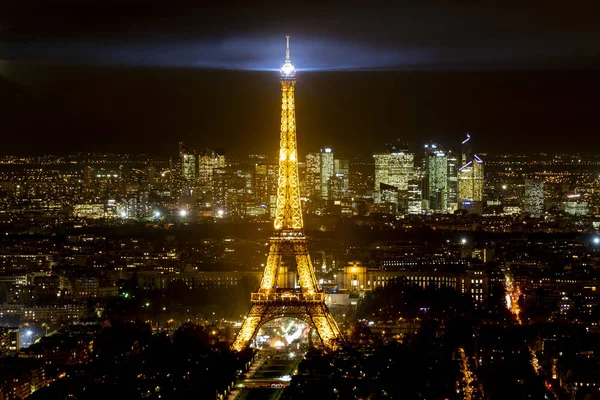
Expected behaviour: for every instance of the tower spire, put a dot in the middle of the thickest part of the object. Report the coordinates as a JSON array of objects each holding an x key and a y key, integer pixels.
[{"x": 277, "y": 296}]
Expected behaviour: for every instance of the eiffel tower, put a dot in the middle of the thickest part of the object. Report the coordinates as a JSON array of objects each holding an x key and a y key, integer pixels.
[{"x": 288, "y": 240}]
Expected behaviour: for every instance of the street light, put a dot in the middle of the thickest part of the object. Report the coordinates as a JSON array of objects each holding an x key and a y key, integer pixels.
[
  {"x": 463, "y": 241},
  {"x": 596, "y": 240}
]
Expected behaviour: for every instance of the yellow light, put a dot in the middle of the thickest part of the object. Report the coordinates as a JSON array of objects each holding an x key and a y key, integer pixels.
[{"x": 288, "y": 238}]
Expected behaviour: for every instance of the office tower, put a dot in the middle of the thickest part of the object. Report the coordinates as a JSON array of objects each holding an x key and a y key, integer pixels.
[
  {"x": 341, "y": 166},
  {"x": 230, "y": 192},
  {"x": 339, "y": 183},
  {"x": 453, "y": 165},
  {"x": 189, "y": 168},
  {"x": 89, "y": 184},
  {"x": 415, "y": 193},
  {"x": 288, "y": 241},
  {"x": 313, "y": 176},
  {"x": 435, "y": 179},
  {"x": 327, "y": 171},
  {"x": 470, "y": 180},
  {"x": 534, "y": 197},
  {"x": 393, "y": 168},
  {"x": 265, "y": 186},
  {"x": 209, "y": 160}
]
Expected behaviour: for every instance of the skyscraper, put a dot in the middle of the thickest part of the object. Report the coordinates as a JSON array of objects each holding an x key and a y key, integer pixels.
[
  {"x": 207, "y": 162},
  {"x": 189, "y": 167},
  {"x": 470, "y": 180},
  {"x": 453, "y": 165},
  {"x": 313, "y": 176},
  {"x": 534, "y": 197},
  {"x": 339, "y": 183},
  {"x": 435, "y": 179},
  {"x": 229, "y": 192},
  {"x": 327, "y": 171},
  {"x": 265, "y": 186},
  {"x": 394, "y": 168}
]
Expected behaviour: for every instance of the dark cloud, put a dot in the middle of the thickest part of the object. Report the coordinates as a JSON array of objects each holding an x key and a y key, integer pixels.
[{"x": 130, "y": 76}]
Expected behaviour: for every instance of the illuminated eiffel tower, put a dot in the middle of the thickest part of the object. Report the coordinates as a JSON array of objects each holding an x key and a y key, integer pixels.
[{"x": 288, "y": 240}]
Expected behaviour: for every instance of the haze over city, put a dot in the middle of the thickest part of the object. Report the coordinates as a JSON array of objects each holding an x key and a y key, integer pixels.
[{"x": 127, "y": 77}]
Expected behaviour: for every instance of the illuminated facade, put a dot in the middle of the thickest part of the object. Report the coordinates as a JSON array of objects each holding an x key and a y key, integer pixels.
[
  {"x": 208, "y": 161},
  {"x": 534, "y": 197},
  {"x": 327, "y": 171},
  {"x": 288, "y": 241},
  {"x": 415, "y": 193},
  {"x": 188, "y": 158},
  {"x": 230, "y": 192},
  {"x": 339, "y": 183},
  {"x": 313, "y": 176},
  {"x": 358, "y": 277},
  {"x": 435, "y": 179},
  {"x": 470, "y": 180},
  {"x": 394, "y": 168},
  {"x": 453, "y": 165}
]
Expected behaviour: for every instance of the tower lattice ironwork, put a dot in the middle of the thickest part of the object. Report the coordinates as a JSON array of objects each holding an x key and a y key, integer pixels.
[{"x": 288, "y": 240}]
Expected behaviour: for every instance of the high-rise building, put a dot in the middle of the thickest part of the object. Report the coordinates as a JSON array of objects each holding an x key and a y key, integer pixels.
[
  {"x": 415, "y": 193},
  {"x": 313, "y": 176},
  {"x": 230, "y": 192},
  {"x": 339, "y": 183},
  {"x": 394, "y": 168},
  {"x": 88, "y": 182},
  {"x": 435, "y": 179},
  {"x": 189, "y": 167},
  {"x": 470, "y": 180},
  {"x": 327, "y": 171},
  {"x": 453, "y": 165},
  {"x": 207, "y": 162},
  {"x": 534, "y": 197}
]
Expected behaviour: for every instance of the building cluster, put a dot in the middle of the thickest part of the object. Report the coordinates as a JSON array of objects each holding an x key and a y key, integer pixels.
[
  {"x": 207, "y": 185},
  {"x": 23, "y": 371}
]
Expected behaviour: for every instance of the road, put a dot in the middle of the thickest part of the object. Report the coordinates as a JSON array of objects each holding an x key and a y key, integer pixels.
[{"x": 268, "y": 376}]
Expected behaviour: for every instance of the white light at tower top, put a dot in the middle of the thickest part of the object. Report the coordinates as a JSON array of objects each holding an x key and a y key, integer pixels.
[{"x": 287, "y": 69}]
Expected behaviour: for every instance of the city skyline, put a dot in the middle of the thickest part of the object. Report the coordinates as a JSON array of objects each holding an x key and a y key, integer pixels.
[{"x": 427, "y": 229}]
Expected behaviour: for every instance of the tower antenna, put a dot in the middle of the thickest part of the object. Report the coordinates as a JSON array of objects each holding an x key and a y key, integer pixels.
[{"x": 287, "y": 48}]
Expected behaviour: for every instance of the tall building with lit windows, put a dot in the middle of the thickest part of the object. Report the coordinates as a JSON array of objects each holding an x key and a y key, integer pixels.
[
  {"x": 327, "y": 171},
  {"x": 534, "y": 197},
  {"x": 189, "y": 166},
  {"x": 230, "y": 192},
  {"x": 395, "y": 168},
  {"x": 339, "y": 183},
  {"x": 208, "y": 161},
  {"x": 313, "y": 176},
  {"x": 453, "y": 165},
  {"x": 470, "y": 180},
  {"x": 435, "y": 179}
]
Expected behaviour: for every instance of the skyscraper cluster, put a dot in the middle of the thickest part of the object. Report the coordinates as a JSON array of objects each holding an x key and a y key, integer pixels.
[
  {"x": 439, "y": 181},
  {"x": 442, "y": 184}
]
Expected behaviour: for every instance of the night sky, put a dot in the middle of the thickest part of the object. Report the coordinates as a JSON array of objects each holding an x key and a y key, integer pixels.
[{"x": 141, "y": 76}]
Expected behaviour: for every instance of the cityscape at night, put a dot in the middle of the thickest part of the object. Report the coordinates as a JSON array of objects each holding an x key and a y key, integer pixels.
[{"x": 378, "y": 217}]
